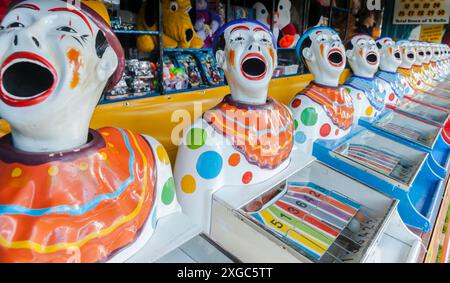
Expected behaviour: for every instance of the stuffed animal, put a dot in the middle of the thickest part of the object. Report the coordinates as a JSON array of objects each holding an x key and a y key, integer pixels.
[
  {"x": 147, "y": 21},
  {"x": 207, "y": 23},
  {"x": 177, "y": 25},
  {"x": 282, "y": 21},
  {"x": 4, "y": 7}
]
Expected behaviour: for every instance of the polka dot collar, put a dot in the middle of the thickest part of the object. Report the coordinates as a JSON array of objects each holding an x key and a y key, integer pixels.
[{"x": 10, "y": 154}]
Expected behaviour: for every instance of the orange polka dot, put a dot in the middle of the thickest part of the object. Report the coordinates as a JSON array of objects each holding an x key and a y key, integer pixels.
[
  {"x": 234, "y": 160},
  {"x": 188, "y": 184},
  {"x": 369, "y": 111}
]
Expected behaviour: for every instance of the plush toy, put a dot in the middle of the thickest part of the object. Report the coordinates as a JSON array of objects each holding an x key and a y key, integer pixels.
[
  {"x": 262, "y": 15},
  {"x": 4, "y": 7},
  {"x": 177, "y": 25},
  {"x": 282, "y": 22},
  {"x": 147, "y": 21},
  {"x": 207, "y": 23}
]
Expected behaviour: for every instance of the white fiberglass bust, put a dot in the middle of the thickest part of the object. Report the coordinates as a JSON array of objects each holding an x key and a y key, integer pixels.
[
  {"x": 324, "y": 109},
  {"x": 246, "y": 139},
  {"x": 409, "y": 56},
  {"x": 69, "y": 193},
  {"x": 367, "y": 91},
  {"x": 390, "y": 59}
]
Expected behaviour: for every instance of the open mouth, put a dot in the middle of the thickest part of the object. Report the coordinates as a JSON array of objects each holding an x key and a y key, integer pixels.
[
  {"x": 410, "y": 56},
  {"x": 372, "y": 58},
  {"x": 397, "y": 55},
  {"x": 254, "y": 67},
  {"x": 421, "y": 54},
  {"x": 335, "y": 57},
  {"x": 26, "y": 79}
]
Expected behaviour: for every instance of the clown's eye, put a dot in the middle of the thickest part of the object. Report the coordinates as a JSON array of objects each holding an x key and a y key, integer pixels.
[
  {"x": 67, "y": 29},
  {"x": 16, "y": 25},
  {"x": 263, "y": 11},
  {"x": 240, "y": 38},
  {"x": 281, "y": 7},
  {"x": 174, "y": 6}
]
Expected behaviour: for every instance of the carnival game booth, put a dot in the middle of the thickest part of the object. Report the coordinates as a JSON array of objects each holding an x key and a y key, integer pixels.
[
  {"x": 271, "y": 204},
  {"x": 286, "y": 211}
]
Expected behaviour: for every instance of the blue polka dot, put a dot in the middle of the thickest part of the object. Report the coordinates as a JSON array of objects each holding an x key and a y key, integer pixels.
[
  {"x": 300, "y": 137},
  {"x": 209, "y": 165}
]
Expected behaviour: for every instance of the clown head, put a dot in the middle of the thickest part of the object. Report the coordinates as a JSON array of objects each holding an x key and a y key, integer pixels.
[
  {"x": 408, "y": 53},
  {"x": 322, "y": 51},
  {"x": 420, "y": 53},
  {"x": 390, "y": 55},
  {"x": 435, "y": 52},
  {"x": 363, "y": 55},
  {"x": 282, "y": 16},
  {"x": 248, "y": 59},
  {"x": 428, "y": 52},
  {"x": 56, "y": 59}
]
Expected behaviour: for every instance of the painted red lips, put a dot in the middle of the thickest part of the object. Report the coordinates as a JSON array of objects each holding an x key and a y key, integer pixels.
[
  {"x": 254, "y": 67},
  {"x": 26, "y": 79},
  {"x": 335, "y": 57},
  {"x": 372, "y": 58}
]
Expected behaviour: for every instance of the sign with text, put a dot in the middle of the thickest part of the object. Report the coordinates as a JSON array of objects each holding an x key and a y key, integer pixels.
[
  {"x": 432, "y": 33},
  {"x": 421, "y": 12}
]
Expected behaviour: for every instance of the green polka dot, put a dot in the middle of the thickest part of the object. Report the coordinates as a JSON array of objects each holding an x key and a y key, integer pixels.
[
  {"x": 196, "y": 138},
  {"x": 168, "y": 193},
  {"x": 348, "y": 90},
  {"x": 309, "y": 116},
  {"x": 296, "y": 124}
]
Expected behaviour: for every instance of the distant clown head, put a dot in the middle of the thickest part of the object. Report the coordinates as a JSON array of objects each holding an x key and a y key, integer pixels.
[
  {"x": 420, "y": 52},
  {"x": 322, "y": 51},
  {"x": 363, "y": 55},
  {"x": 408, "y": 53},
  {"x": 428, "y": 52},
  {"x": 390, "y": 54},
  {"x": 248, "y": 54}
]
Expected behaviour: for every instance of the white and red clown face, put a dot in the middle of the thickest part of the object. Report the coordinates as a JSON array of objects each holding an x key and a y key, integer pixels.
[
  {"x": 390, "y": 54},
  {"x": 428, "y": 52},
  {"x": 363, "y": 56},
  {"x": 420, "y": 53},
  {"x": 55, "y": 60},
  {"x": 248, "y": 59},
  {"x": 324, "y": 54},
  {"x": 435, "y": 53},
  {"x": 408, "y": 53}
]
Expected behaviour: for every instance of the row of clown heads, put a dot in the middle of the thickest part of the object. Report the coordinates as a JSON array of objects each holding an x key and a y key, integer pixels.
[{"x": 70, "y": 193}]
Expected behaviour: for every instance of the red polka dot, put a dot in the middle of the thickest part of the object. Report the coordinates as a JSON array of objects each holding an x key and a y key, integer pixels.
[
  {"x": 247, "y": 178},
  {"x": 325, "y": 130},
  {"x": 391, "y": 97},
  {"x": 296, "y": 103},
  {"x": 337, "y": 132}
]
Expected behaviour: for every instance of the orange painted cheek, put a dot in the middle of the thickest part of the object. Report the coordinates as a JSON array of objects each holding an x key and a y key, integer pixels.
[
  {"x": 361, "y": 53},
  {"x": 322, "y": 48},
  {"x": 272, "y": 55},
  {"x": 231, "y": 57},
  {"x": 75, "y": 61},
  {"x": 390, "y": 50}
]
